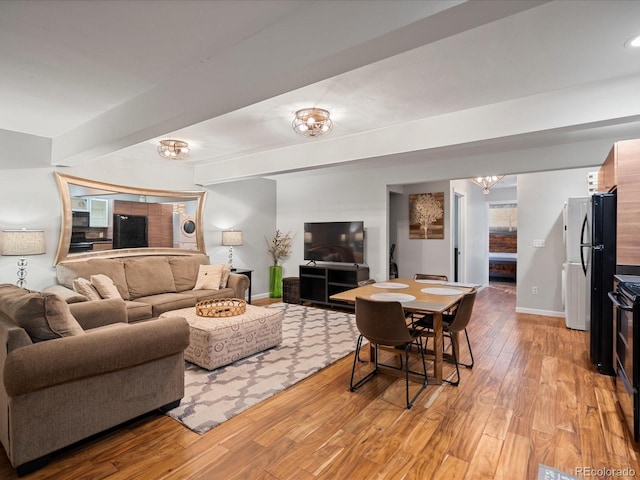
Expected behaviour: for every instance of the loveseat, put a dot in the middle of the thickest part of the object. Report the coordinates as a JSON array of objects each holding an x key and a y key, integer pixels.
[
  {"x": 151, "y": 284},
  {"x": 69, "y": 371}
]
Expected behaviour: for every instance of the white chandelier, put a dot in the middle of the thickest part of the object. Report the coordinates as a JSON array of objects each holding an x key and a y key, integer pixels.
[
  {"x": 173, "y": 149},
  {"x": 487, "y": 182},
  {"x": 312, "y": 122}
]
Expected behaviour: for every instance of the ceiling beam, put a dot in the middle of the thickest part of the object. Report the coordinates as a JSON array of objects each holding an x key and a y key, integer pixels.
[{"x": 276, "y": 60}]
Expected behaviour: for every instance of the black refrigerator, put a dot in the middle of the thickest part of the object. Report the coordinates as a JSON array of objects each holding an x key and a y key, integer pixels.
[
  {"x": 602, "y": 264},
  {"x": 129, "y": 231}
]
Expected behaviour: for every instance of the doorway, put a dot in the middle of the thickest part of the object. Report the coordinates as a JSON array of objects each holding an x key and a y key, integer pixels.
[{"x": 503, "y": 241}]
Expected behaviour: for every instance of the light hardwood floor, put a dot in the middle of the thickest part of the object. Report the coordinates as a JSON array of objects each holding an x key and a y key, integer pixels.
[{"x": 531, "y": 398}]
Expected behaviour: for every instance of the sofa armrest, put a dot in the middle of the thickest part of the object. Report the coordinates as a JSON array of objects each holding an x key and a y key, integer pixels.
[
  {"x": 101, "y": 351},
  {"x": 68, "y": 295},
  {"x": 97, "y": 313},
  {"x": 239, "y": 283}
]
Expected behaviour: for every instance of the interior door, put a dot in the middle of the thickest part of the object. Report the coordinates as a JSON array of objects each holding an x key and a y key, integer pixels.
[{"x": 458, "y": 238}]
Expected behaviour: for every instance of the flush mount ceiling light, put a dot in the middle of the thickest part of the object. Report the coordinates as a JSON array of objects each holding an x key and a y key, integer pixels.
[
  {"x": 173, "y": 149},
  {"x": 312, "y": 122},
  {"x": 487, "y": 182},
  {"x": 633, "y": 42}
]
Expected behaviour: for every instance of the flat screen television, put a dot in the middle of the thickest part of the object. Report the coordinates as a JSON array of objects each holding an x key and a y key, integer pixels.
[{"x": 341, "y": 242}]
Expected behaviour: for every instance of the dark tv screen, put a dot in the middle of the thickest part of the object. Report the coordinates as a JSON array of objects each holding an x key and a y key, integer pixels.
[{"x": 341, "y": 242}]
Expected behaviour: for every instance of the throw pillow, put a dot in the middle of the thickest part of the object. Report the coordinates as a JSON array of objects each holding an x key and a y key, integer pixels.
[
  {"x": 226, "y": 273},
  {"x": 44, "y": 316},
  {"x": 105, "y": 286},
  {"x": 209, "y": 277},
  {"x": 84, "y": 287}
]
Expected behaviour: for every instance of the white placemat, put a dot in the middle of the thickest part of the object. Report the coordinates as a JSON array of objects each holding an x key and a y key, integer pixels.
[
  {"x": 442, "y": 291},
  {"x": 393, "y": 297},
  {"x": 389, "y": 285},
  {"x": 433, "y": 282}
]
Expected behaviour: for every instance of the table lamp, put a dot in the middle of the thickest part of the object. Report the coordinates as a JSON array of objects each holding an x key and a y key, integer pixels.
[
  {"x": 22, "y": 242},
  {"x": 231, "y": 238}
]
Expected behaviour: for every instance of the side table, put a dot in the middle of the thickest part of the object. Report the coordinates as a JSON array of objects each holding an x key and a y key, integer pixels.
[{"x": 242, "y": 271}]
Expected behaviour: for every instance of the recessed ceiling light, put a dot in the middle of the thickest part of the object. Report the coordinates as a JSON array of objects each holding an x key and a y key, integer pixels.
[{"x": 633, "y": 42}]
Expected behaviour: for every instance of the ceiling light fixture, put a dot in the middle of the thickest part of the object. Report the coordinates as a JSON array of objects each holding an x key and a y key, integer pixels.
[
  {"x": 633, "y": 42},
  {"x": 312, "y": 122},
  {"x": 487, "y": 182},
  {"x": 173, "y": 149}
]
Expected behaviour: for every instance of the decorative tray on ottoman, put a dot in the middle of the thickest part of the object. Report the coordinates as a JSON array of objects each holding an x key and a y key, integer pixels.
[{"x": 221, "y": 307}]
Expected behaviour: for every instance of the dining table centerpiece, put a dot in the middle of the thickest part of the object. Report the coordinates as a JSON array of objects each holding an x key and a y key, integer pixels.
[{"x": 279, "y": 247}]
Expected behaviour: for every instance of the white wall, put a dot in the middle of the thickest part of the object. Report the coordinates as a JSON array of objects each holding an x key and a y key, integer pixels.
[
  {"x": 541, "y": 197},
  {"x": 29, "y": 198},
  {"x": 346, "y": 194},
  {"x": 475, "y": 232},
  {"x": 422, "y": 255},
  {"x": 249, "y": 206}
]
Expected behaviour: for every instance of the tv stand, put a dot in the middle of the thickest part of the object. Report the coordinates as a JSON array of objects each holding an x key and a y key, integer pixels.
[{"x": 319, "y": 282}]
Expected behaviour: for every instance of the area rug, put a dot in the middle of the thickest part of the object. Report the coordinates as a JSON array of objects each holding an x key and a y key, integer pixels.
[{"x": 312, "y": 338}]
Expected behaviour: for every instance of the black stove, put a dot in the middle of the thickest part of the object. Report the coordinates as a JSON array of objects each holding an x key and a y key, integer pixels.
[
  {"x": 631, "y": 290},
  {"x": 629, "y": 285},
  {"x": 626, "y": 300}
]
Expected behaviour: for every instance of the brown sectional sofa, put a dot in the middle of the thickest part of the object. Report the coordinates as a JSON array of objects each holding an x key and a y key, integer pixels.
[
  {"x": 150, "y": 285},
  {"x": 74, "y": 382}
]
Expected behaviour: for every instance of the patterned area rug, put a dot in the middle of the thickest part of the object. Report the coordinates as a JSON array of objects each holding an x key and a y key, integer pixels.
[{"x": 312, "y": 338}]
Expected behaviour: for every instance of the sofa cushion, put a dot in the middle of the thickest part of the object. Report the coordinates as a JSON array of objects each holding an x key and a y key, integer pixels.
[
  {"x": 148, "y": 276},
  {"x": 185, "y": 270},
  {"x": 163, "y": 302},
  {"x": 105, "y": 286},
  {"x": 209, "y": 277},
  {"x": 113, "y": 268},
  {"x": 137, "y": 311},
  {"x": 201, "y": 295},
  {"x": 44, "y": 316},
  {"x": 84, "y": 287},
  {"x": 226, "y": 273}
]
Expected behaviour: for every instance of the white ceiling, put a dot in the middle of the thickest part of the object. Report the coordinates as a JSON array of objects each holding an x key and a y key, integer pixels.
[{"x": 108, "y": 79}]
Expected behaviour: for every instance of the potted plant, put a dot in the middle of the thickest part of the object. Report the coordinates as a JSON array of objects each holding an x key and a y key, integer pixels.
[{"x": 279, "y": 248}]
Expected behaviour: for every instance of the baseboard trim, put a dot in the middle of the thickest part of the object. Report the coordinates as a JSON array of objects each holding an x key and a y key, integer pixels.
[{"x": 544, "y": 313}]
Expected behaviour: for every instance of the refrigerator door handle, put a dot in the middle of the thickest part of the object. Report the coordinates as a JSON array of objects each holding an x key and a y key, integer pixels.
[{"x": 582, "y": 245}]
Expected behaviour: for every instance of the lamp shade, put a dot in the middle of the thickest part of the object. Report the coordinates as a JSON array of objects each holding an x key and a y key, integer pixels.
[
  {"x": 231, "y": 238},
  {"x": 22, "y": 242}
]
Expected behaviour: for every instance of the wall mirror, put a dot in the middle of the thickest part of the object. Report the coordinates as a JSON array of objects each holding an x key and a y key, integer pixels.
[{"x": 105, "y": 220}]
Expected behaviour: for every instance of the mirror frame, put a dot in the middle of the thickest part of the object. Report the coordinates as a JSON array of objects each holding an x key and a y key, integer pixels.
[{"x": 63, "y": 255}]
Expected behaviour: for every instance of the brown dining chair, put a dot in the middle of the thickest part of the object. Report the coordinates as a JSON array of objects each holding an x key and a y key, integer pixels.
[
  {"x": 383, "y": 325},
  {"x": 430, "y": 276},
  {"x": 451, "y": 326}
]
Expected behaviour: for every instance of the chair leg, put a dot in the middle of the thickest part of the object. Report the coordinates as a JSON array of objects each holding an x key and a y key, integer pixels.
[
  {"x": 356, "y": 357},
  {"x": 455, "y": 360},
  {"x": 410, "y": 402},
  {"x": 470, "y": 365}
]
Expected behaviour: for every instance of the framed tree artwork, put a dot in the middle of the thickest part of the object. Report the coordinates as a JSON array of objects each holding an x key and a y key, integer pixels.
[{"x": 426, "y": 215}]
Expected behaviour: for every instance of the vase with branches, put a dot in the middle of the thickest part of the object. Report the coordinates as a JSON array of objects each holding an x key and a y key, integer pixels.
[{"x": 279, "y": 247}]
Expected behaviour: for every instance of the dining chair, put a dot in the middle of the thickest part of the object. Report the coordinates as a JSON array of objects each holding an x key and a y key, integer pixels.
[
  {"x": 430, "y": 276},
  {"x": 383, "y": 324},
  {"x": 452, "y": 324}
]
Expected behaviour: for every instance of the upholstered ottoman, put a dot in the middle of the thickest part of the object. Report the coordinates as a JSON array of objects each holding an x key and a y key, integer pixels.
[{"x": 215, "y": 342}]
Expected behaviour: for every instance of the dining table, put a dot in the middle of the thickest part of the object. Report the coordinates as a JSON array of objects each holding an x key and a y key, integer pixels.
[{"x": 416, "y": 296}]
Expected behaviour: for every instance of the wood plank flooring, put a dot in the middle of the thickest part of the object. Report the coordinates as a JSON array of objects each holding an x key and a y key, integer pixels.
[{"x": 531, "y": 398}]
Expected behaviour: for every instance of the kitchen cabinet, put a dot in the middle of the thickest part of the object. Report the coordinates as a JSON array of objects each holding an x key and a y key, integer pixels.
[
  {"x": 79, "y": 204},
  {"x": 98, "y": 213},
  {"x": 607, "y": 174},
  {"x": 621, "y": 173}
]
